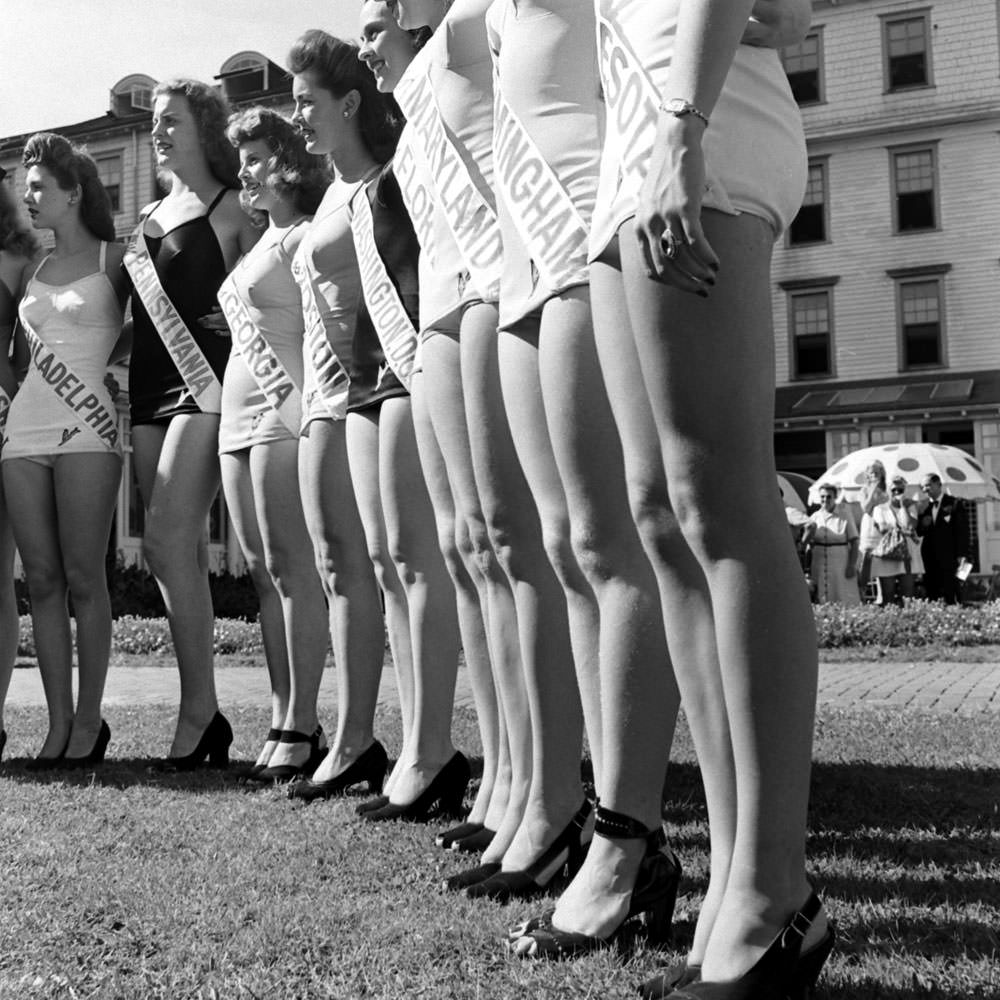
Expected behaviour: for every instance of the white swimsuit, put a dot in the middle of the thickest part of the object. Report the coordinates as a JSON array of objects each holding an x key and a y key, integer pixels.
[{"x": 63, "y": 405}]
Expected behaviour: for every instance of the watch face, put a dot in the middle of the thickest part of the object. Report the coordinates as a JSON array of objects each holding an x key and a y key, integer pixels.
[{"x": 677, "y": 106}]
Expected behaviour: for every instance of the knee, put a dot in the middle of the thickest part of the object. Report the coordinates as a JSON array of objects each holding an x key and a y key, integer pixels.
[
  {"x": 85, "y": 583},
  {"x": 559, "y": 548},
  {"x": 288, "y": 574},
  {"x": 159, "y": 550},
  {"x": 46, "y": 581},
  {"x": 339, "y": 557},
  {"x": 656, "y": 522},
  {"x": 260, "y": 575}
]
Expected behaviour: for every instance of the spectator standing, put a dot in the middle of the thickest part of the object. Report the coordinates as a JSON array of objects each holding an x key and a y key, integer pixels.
[
  {"x": 942, "y": 525},
  {"x": 896, "y": 572},
  {"x": 832, "y": 537}
]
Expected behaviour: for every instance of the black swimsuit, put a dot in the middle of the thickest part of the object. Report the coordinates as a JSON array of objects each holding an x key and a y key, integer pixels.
[{"x": 190, "y": 265}]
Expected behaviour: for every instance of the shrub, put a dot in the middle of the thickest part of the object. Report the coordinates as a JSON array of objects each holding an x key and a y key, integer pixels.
[{"x": 919, "y": 623}]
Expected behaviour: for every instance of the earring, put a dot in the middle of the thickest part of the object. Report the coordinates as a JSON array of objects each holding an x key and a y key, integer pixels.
[{"x": 347, "y": 114}]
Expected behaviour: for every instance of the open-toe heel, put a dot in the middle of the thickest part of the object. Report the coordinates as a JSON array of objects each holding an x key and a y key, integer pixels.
[
  {"x": 273, "y": 736},
  {"x": 777, "y": 974},
  {"x": 316, "y": 747},
  {"x": 651, "y": 905},
  {"x": 536, "y": 878},
  {"x": 448, "y": 837}
]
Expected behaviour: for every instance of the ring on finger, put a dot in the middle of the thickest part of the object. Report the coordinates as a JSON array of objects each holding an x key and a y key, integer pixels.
[{"x": 670, "y": 244}]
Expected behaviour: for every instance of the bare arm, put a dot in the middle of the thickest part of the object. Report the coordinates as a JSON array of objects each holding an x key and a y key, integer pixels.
[{"x": 777, "y": 23}]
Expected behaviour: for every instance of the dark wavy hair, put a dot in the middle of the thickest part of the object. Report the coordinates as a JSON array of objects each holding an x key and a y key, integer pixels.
[
  {"x": 15, "y": 236},
  {"x": 72, "y": 166},
  {"x": 210, "y": 111},
  {"x": 295, "y": 174},
  {"x": 336, "y": 65}
]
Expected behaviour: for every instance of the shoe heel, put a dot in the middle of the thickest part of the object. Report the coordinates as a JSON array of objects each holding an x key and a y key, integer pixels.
[
  {"x": 811, "y": 962},
  {"x": 219, "y": 757},
  {"x": 658, "y": 919}
]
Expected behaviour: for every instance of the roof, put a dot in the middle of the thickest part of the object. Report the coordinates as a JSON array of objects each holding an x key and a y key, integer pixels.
[{"x": 925, "y": 393}]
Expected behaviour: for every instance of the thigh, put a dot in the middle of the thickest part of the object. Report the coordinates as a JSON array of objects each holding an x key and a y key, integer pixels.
[
  {"x": 31, "y": 503},
  {"x": 429, "y": 444},
  {"x": 406, "y": 505},
  {"x": 277, "y": 498},
  {"x": 363, "y": 458},
  {"x": 147, "y": 443},
  {"x": 708, "y": 371},
  {"x": 86, "y": 490},
  {"x": 241, "y": 505},
  {"x": 186, "y": 477}
]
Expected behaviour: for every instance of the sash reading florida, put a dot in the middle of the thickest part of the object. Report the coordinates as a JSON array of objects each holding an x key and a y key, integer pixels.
[
  {"x": 177, "y": 339},
  {"x": 332, "y": 380},
  {"x": 395, "y": 331},
  {"x": 470, "y": 216},
  {"x": 80, "y": 399},
  {"x": 259, "y": 356},
  {"x": 544, "y": 214}
]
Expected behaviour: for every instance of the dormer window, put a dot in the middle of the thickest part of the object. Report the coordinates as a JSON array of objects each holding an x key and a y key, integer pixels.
[{"x": 243, "y": 75}]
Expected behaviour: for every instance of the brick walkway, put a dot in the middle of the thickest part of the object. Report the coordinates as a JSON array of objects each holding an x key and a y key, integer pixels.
[{"x": 964, "y": 688}]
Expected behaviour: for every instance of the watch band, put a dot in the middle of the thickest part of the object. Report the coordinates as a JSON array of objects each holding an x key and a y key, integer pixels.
[{"x": 678, "y": 107}]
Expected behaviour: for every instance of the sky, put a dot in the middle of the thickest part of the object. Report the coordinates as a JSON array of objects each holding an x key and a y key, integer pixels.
[{"x": 62, "y": 57}]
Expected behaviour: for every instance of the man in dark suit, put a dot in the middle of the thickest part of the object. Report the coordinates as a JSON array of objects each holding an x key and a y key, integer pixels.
[{"x": 942, "y": 526}]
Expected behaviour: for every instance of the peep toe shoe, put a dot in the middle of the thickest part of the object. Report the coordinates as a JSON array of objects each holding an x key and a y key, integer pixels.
[
  {"x": 315, "y": 749},
  {"x": 652, "y": 901}
]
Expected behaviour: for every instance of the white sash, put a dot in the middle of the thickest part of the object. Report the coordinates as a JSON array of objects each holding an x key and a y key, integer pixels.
[
  {"x": 410, "y": 172},
  {"x": 542, "y": 212},
  {"x": 332, "y": 381},
  {"x": 631, "y": 97},
  {"x": 4, "y": 410},
  {"x": 177, "y": 339},
  {"x": 263, "y": 363},
  {"x": 470, "y": 215},
  {"x": 395, "y": 331},
  {"x": 78, "y": 397}
]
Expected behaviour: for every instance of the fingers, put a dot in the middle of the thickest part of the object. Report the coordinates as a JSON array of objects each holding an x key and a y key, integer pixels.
[{"x": 678, "y": 254}]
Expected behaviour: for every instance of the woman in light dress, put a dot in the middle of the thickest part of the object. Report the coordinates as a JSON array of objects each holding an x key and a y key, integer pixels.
[{"x": 833, "y": 537}]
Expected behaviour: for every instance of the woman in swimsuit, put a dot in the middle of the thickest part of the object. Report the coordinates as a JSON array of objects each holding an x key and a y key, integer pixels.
[
  {"x": 259, "y": 433},
  {"x": 62, "y": 460},
  {"x": 184, "y": 247},
  {"x": 18, "y": 246}
]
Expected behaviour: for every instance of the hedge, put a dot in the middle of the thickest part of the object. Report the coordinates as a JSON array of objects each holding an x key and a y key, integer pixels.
[{"x": 920, "y": 623}]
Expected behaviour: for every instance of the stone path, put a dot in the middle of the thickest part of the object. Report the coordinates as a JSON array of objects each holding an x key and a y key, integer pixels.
[{"x": 964, "y": 688}]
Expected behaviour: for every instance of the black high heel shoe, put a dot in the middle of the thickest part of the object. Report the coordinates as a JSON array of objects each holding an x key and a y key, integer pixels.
[
  {"x": 778, "y": 973},
  {"x": 442, "y": 797},
  {"x": 369, "y": 766},
  {"x": 471, "y": 876},
  {"x": 47, "y": 763},
  {"x": 372, "y": 804},
  {"x": 534, "y": 879},
  {"x": 475, "y": 843},
  {"x": 214, "y": 744},
  {"x": 3, "y": 741},
  {"x": 448, "y": 837},
  {"x": 96, "y": 756},
  {"x": 273, "y": 736},
  {"x": 284, "y": 772},
  {"x": 653, "y": 895}
]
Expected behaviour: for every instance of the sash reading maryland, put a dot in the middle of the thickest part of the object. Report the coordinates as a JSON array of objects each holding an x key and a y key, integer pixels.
[
  {"x": 259, "y": 356},
  {"x": 395, "y": 331},
  {"x": 543, "y": 213},
  {"x": 332, "y": 381},
  {"x": 79, "y": 398},
  {"x": 177, "y": 339},
  {"x": 470, "y": 215}
]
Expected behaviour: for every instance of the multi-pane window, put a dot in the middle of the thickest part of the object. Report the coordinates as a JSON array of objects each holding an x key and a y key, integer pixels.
[
  {"x": 109, "y": 169},
  {"x": 812, "y": 333},
  {"x": 913, "y": 178},
  {"x": 907, "y": 52},
  {"x": 920, "y": 323},
  {"x": 809, "y": 226},
  {"x": 804, "y": 68}
]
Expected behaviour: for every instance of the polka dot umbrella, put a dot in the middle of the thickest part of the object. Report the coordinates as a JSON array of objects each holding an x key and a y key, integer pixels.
[{"x": 962, "y": 475}]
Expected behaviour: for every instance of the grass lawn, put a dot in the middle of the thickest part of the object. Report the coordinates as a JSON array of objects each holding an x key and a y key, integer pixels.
[{"x": 122, "y": 883}]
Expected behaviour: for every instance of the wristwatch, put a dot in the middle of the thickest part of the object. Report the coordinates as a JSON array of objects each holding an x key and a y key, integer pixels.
[{"x": 678, "y": 107}]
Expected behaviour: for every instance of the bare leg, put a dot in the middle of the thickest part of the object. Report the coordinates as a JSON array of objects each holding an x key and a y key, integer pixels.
[
  {"x": 178, "y": 472},
  {"x": 443, "y": 444},
  {"x": 363, "y": 442},
  {"x": 240, "y": 503},
  {"x": 553, "y": 599},
  {"x": 708, "y": 370},
  {"x": 86, "y": 488},
  {"x": 31, "y": 500},
  {"x": 287, "y": 553},
  {"x": 355, "y": 610},
  {"x": 8, "y": 606}
]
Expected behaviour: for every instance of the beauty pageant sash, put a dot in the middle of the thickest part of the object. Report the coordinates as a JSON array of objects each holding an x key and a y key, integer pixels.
[
  {"x": 4, "y": 410},
  {"x": 332, "y": 381},
  {"x": 177, "y": 339},
  {"x": 262, "y": 361},
  {"x": 395, "y": 331},
  {"x": 83, "y": 401},
  {"x": 470, "y": 214},
  {"x": 543, "y": 213},
  {"x": 421, "y": 203}
]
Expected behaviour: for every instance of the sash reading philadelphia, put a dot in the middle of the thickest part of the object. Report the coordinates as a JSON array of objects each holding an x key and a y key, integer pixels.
[
  {"x": 470, "y": 215},
  {"x": 78, "y": 397},
  {"x": 395, "y": 331},
  {"x": 543, "y": 213},
  {"x": 262, "y": 361},
  {"x": 177, "y": 339}
]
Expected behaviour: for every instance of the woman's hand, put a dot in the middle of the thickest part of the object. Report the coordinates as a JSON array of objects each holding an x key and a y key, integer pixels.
[
  {"x": 216, "y": 322},
  {"x": 668, "y": 217},
  {"x": 851, "y": 570}
]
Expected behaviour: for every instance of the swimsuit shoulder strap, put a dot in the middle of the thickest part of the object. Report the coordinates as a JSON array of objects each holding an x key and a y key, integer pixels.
[
  {"x": 102, "y": 260},
  {"x": 215, "y": 201}
]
